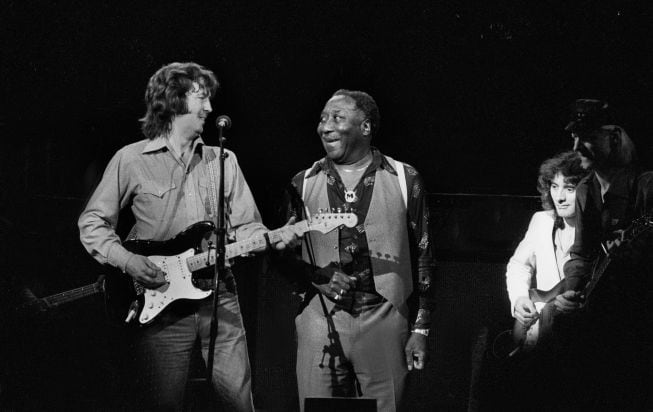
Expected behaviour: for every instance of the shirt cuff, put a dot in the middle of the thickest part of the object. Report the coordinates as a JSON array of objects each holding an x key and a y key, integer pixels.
[
  {"x": 250, "y": 230},
  {"x": 119, "y": 256},
  {"x": 423, "y": 320}
]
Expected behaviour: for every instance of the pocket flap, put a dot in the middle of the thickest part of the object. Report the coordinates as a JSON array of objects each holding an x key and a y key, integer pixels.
[{"x": 156, "y": 188}]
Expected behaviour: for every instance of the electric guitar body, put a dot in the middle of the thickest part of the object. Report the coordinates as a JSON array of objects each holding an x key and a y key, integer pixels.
[{"x": 527, "y": 337}]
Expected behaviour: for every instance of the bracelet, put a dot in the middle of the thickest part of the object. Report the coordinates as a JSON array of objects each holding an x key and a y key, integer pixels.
[{"x": 424, "y": 332}]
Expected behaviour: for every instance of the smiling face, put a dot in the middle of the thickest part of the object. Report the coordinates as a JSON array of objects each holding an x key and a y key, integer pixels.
[
  {"x": 344, "y": 130},
  {"x": 564, "y": 196},
  {"x": 199, "y": 106}
]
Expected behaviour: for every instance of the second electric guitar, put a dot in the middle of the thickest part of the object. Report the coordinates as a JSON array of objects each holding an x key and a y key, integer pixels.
[{"x": 526, "y": 337}]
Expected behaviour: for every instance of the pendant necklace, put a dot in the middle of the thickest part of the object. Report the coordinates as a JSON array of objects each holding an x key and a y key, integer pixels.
[
  {"x": 352, "y": 175},
  {"x": 350, "y": 196}
]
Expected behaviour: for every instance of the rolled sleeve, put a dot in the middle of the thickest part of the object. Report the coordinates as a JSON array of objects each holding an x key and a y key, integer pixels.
[
  {"x": 244, "y": 217},
  {"x": 422, "y": 241},
  {"x": 98, "y": 220},
  {"x": 518, "y": 280},
  {"x": 521, "y": 268}
]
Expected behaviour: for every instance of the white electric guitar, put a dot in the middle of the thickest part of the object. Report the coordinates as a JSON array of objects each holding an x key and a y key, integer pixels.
[{"x": 182, "y": 256}]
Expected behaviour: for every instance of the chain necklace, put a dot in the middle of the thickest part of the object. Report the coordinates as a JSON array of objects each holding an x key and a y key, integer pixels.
[
  {"x": 352, "y": 181},
  {"x": 353, "y": 176}
]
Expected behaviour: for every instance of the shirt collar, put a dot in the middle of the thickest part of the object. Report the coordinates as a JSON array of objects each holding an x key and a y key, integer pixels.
[
  {"x": 378, "y": 162},
  {"x": 161, "y": 143},
  {"x": 620, "y": 186}
]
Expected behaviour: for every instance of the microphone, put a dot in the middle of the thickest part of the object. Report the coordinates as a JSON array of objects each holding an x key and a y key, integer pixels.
[{"x": 223, "y": 122}]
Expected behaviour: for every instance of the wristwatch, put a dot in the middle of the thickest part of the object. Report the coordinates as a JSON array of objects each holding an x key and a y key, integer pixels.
[{"x": 424, "y": 332}]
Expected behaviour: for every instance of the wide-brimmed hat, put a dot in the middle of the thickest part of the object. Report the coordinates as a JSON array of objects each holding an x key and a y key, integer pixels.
[{"x": 588, "y": 115}]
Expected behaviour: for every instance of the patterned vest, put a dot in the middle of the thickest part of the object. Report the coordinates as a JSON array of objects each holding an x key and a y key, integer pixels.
[{"x": 386, "y": 230}]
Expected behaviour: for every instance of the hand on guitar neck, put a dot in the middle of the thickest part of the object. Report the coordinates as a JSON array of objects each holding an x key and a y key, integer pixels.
[
  {"x": 147, "y": 273},
  {"x": 287, "y": 236}
]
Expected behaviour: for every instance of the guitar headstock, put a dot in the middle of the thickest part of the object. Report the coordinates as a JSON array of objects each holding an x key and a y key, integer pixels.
[
  {"x": 639, "y": 226},
  {"x": 326, "y": 222},
  {"x": 644, "y": 220}
]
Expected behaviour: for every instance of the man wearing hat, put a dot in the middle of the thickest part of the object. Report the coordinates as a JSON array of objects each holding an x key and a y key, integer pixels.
[
  {"x": 612, "y": 340},
  {"x": 614, "y": 194}
]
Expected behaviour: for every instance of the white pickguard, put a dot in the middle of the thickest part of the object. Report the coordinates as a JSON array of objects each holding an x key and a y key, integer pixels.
[{"x": 180, "y": 285}]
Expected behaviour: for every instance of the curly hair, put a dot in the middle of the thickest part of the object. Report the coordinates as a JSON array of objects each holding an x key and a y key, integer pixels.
[
  {"x": 366, "y": 104},
  {"x": 165, "y": 96},
  {"x": 568, "y": 164}
]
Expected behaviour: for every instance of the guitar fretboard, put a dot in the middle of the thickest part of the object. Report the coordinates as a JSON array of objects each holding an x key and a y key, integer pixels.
[
  {"x": 208, "y": 258},
  {"x": 639, "y": 226},
  {"x": 74, "y": 294}
]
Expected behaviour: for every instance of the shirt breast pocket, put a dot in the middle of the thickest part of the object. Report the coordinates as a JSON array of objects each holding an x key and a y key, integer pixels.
[{"x": 155, "y": 198}]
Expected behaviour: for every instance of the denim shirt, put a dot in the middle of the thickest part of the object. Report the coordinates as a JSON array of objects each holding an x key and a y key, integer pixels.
[{"x": 165, "y": 194}]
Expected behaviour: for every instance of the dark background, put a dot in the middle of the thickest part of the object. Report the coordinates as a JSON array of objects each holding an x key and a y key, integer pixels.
[{"x": 473, "y": 94}]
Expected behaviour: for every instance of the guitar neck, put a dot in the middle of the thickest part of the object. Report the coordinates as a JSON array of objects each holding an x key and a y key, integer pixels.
[
  {"x": 636, "y": 228},
  {"x": 208, "y": 258},
  {"x": 70, "y": 295},
  {"x": 597, "y": 275}
]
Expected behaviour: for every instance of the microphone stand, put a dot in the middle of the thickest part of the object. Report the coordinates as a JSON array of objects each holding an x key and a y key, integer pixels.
[{"x": 220, "y": 236}]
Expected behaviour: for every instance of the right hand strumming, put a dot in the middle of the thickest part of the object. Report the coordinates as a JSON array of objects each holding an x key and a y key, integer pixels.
[
  {"x": 525, "y": 311},
  {"x": 144, "y": 271}
]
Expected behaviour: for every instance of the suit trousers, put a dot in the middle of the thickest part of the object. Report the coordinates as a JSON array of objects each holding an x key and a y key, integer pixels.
[{"x": 347, "y": 354}]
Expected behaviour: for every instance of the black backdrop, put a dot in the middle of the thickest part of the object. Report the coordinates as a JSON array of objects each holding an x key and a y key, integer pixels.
[{"x": 473, "y": 94}]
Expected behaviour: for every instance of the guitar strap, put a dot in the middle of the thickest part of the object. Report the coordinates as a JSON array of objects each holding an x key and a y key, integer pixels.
[
  {"x": 209, "y": 157},
  {"x": 212, "y": 164}
]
